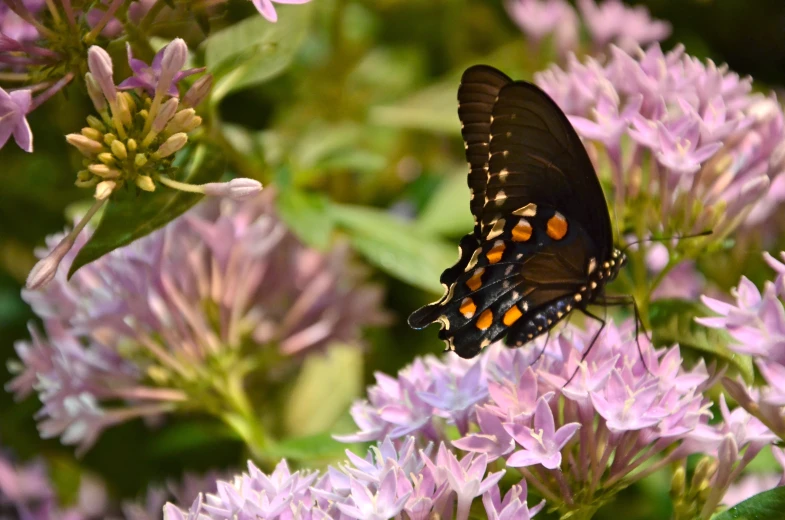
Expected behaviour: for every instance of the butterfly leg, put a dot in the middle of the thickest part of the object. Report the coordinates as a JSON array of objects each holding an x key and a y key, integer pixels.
[
  {"x": 603, "y": 322},
  {"x": 542, "y": 351},
  {"x": 628, "y": 299}
]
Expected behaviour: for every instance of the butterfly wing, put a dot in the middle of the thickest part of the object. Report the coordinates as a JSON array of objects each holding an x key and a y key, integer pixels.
[
  {"x": 541, "y": 221},
  {"x": 477, "y": 94},
  {"x": 511, "y": 284},
  {"x": 536, "y": 157}
]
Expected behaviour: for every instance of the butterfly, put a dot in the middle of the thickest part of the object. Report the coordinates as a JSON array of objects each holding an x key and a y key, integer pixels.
[{"x": 542, "y": 245}]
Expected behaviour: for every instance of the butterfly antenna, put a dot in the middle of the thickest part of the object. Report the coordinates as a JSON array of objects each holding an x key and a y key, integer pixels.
[{"x": 704, "y": 233}]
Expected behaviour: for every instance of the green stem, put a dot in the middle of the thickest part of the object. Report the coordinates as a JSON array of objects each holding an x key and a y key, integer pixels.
[{"x": 241, "y": 418}]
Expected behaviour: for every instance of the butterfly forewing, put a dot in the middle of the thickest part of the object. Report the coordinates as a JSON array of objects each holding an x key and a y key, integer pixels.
[
  {"x": 477, "y": 94},
  {"x": 536, "y": 156}
]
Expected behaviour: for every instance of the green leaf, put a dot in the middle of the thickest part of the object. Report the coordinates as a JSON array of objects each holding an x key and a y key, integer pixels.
[
  {"x": 447, "y": 213},
  {"x": 768, "y": 505},
  {"x": 255, "y": 50},
  {"x": 432, "y": 109},
  {"x": 130, "y": 215},
  {"x": 325, "y": 388},
  {"x": 395, "y": 246},
  {"x": 673, "y": 321},
  {"x": 320, "y": 447},
  {"x": 307, "y": 215}
]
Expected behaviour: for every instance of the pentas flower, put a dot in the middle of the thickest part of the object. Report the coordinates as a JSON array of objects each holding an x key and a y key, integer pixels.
[
  {"x": 43, "y": 45},
  {"x": 539, "y": 19},
  {"x": 404, "y": 484},
  {"x": 136, "y": 139},
  {"x": 184, "y": 491},
  {"x": 267, "y": 9},
  {"x": 226, "y": 285},
  {"x": 27, "y": 493},
  {"x": 754, "y": 483},
  {"x": 580, "y": 426},
  {"x": 756, "y": 322},
  {"x": 686, "y": 145},
  {"x": 14, "y": 106},
  {"x": 611, "y": 22}
]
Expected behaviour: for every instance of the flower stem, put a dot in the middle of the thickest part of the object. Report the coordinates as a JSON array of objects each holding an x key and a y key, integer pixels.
[{"x": 242, "y": 419}]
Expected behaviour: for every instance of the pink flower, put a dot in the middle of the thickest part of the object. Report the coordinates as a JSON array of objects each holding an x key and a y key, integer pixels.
[
  {"x": 14, "y": 107},
  {"x": 267, "y": 9}
]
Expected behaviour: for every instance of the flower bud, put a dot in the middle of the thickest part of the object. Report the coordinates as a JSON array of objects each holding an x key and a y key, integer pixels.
[
  {"x": 171, "y": 145},
  {"x": 165, "y": 114},
  {"x": 92, "y": 133},
  {"x": 104, "y": 171},
  {"x": 192, "y": 124},
  {"x": 85, "y": 145},
  {"x": 180, "y": 121},
  {"x": 124, "y": 109},
  {"x": 198, "y": 91},
  {"x": 45, "y": 270},
  {"x": 106, "y": 157},
  {"x": 84, "y": 175},
  {"x": 100, "y": 65},
  {"x": 94, "y": 91},
  {"x": 109, "y": 139},
  {"x": 104, "y": 189},
  {"x": 131, "y": 145},
  {"x": 96, "y": 123},
  {"x": 140, "y": 160},
  {"x": 172, "y": 62},
  {"x": 678, "y": 483},
  {"x": 118, "y": 148},
  {"x": 237, "y": 189},
  {"x": 144, "y": 182}
]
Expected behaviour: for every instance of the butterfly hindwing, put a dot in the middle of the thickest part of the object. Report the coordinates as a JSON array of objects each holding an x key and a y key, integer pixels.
[
  {"x": 507, "y": 280},
  {"x": 479, "y": 89}
]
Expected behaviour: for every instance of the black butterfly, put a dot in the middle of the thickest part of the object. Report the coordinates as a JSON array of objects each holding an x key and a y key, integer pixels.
[{"x": 542, "y": 244}]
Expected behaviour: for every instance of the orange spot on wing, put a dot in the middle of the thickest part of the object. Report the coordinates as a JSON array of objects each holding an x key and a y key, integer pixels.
[
  {"x": 475, "y": 282},
  {"x": 485, "y": 320},
  {"x": 512, "y": 315},
  {"x": 495, "y": 254},
  {"x": 467, "y": 308},
  {"x": 557, "y": 226},
  {"x": 522, "y": 231}
]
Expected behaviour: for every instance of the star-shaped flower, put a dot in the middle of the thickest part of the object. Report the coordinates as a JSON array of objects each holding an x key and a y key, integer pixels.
[
  {"x": 147, "y": 76},
  {"x": 543, "y": 443},
  {"x": 13, "y": 121}
]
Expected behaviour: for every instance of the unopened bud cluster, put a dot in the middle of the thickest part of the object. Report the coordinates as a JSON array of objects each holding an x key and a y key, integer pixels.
[{"x": 136, "y": 136}]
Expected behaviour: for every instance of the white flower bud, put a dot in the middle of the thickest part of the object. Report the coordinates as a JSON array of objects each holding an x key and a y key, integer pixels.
[
  {"x": 45, "y": 270},
  {"x": 237, "y": 189},
  {"x": 171, "y": 145},
  {"x": 104, "y": 189}
]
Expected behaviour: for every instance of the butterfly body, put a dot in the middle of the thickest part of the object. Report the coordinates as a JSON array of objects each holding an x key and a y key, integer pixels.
[{"x": 542, "y": 242}]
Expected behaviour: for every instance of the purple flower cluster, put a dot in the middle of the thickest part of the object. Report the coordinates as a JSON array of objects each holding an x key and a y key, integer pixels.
[
  {"x": 756, "y": 322},
  {"x": 580, "y": 425},
  {"x": 129, "y": 334},
  {"x": 26, "y": 493},
  {"x": 388, "y": 483},
  {"x": 711, "y": 149},
  {"x": 611, "y": 22}
]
